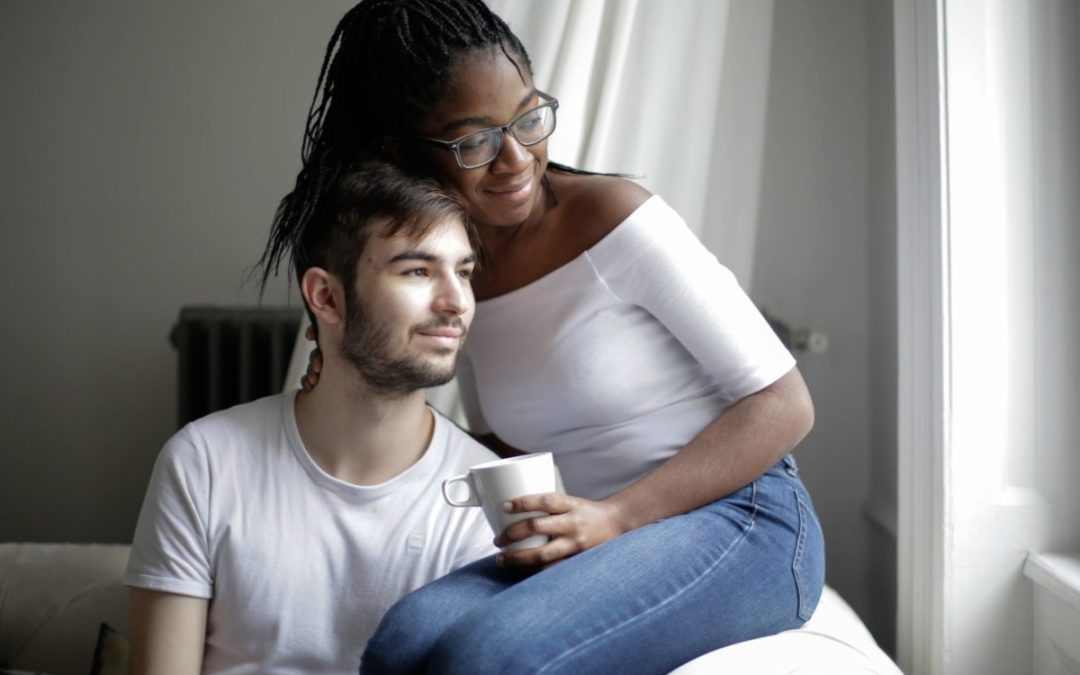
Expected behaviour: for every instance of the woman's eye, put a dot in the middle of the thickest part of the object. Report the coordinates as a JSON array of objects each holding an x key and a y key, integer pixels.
[
  {"x": 530, "y": 122},
  {"x": 474, "y": 143},
  {"x": 465, "y": 273}
]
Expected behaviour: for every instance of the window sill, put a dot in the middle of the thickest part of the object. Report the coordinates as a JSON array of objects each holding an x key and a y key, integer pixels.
[
  {"x": 1057, "y": 573},
  {"x": 1056, "y": 606}
]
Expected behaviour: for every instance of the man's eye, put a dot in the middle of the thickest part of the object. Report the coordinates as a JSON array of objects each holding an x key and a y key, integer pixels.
[{"x": 416, "y": 272}]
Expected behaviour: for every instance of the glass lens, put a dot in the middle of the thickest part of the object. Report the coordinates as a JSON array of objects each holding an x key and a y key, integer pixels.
[
  {"x": 534, "y": 126},
  {"x": 479, "y": 148},
  {"x": 529, "y": 129}
]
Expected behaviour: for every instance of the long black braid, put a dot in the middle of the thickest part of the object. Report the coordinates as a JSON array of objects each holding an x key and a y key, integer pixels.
[{"x": 387, "y": 65}]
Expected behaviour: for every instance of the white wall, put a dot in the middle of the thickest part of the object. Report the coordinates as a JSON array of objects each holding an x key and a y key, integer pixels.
[
  {"x": 826, "y": 260},
  {"x": 145, "y": 147}
]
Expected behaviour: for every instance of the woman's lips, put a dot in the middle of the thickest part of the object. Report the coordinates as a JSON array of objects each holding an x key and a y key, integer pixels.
[{"x": 516, "y": 192}]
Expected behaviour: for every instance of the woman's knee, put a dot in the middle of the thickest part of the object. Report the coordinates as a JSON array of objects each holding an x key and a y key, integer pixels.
[
  {"x": 478, "y": 644},
  {"x": 401, "y": 643},
  {"x": 409, "y": 630}
]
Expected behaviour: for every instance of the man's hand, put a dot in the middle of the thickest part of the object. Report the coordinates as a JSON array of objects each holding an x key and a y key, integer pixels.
[{"x": 573, "y": 524}]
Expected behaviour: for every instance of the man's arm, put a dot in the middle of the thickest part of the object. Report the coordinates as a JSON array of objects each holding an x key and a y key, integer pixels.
[{"x": 168, "y": 632}]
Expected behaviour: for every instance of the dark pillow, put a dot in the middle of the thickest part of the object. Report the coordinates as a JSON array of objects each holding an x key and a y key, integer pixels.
[{"x": 112, "y": 655}]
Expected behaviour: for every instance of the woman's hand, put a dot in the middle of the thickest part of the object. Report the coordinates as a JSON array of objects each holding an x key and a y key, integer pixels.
[
  {"x": 314, "y": 367},
  {"x": 573, "y": 524}
]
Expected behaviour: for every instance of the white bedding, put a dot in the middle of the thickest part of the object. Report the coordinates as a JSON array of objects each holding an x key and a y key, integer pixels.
[{"x": 833, "y": 642}]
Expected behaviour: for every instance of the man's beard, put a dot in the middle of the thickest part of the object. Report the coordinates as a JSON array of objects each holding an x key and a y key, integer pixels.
[{"x": 366, "y": 345}]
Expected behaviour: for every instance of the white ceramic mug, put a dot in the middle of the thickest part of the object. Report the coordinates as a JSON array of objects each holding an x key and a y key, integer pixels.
[{"x": 493, "y": 483}]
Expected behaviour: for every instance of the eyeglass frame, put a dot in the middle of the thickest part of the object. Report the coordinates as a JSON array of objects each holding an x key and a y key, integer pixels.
[{"x": 454, "y": 146}]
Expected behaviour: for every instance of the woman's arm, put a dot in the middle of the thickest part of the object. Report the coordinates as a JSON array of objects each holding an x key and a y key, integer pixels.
[
  {"x": 733, "y": 450},
  {"x": 168, "y": 632},
  {"x": 729, "y": 453},
  {"x": 656, "y": 263}
]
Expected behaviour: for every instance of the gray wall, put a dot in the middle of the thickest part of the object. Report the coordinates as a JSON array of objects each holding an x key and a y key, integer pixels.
[
  {"x": 145, "y": 147},
  {"x": 881, "y": 504},
  {"x": 826, "y": 260}
]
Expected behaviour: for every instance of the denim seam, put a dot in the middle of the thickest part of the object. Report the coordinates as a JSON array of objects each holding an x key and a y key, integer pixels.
[
  {"x": 796, "y": 565},
  {"x": 685, "y": 589}
]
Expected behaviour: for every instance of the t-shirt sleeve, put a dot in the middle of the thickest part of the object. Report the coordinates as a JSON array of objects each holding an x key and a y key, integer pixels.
[
  {"x": 170, "y": 549},
  {"x": 466, "y": 378},
  {"x": 654, "y": 261}
]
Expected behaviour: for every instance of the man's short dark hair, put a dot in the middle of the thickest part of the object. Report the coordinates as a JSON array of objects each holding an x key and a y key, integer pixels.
[{"x": 376, "y": 198}]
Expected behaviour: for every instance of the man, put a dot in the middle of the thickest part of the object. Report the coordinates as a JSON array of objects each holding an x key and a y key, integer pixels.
[{"x": 276, "y": 534}]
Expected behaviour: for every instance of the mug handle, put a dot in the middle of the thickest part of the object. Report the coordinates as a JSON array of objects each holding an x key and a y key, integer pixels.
[{"x": 471, "y": 500}]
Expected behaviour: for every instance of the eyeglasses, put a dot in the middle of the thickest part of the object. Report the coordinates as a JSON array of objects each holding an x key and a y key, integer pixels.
[{"x": 482, "y": 147}]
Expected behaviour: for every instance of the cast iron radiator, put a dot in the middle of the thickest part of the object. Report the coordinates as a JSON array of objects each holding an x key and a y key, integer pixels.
[{"x": 230, "y": 355}]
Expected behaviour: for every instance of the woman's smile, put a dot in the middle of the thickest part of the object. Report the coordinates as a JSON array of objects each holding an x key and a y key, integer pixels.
[{"x": 514, "y": 193}]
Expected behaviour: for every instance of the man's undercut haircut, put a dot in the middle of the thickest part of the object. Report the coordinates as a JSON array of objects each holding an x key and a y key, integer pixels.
[
  {"x": 388, "y": 64},
  {"x": 376, "y": 199}
]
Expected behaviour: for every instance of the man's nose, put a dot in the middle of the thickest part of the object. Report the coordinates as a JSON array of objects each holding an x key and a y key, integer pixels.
[{"x": 453, "y": 296}]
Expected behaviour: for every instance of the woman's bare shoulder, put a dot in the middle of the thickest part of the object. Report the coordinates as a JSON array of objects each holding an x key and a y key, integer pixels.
[{"x": 595, "y": 205}]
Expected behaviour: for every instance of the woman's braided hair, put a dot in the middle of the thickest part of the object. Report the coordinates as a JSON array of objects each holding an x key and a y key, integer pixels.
[{"x": 388, "y": 63}]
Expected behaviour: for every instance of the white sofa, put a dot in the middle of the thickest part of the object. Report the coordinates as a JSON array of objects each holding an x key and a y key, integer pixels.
[{"x": 54, "y": 598}]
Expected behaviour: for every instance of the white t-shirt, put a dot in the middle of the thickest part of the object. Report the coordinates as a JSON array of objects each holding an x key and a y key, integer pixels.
[
  {"x": 614, "y": 361},
  {"x": 299, "y": 566}
]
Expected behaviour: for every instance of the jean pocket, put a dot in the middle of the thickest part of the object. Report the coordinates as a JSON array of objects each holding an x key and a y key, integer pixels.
[
  {"x": 785, "y": 468},
  {"x": 808, "y": 575},
  {"x": 739, "y": 508}
]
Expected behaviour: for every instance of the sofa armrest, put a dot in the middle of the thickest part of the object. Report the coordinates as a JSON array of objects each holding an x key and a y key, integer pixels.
[{"x": 53, "y": 600}]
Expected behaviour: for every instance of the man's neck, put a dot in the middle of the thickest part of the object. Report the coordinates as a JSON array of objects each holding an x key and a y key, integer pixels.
[{"x": 357, "y": 435}]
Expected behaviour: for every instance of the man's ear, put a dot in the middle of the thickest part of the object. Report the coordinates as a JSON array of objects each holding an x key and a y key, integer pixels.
[{"x": 324, "y": 294}]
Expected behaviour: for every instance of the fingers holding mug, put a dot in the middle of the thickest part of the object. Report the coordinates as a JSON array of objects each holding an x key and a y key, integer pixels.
[
  {"x": 498, "y": 485},
  {"x": 576, "y": 525}
]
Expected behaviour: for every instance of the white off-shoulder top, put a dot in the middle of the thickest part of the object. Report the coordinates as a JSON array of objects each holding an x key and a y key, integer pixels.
[{"x": 614, "y": 361}]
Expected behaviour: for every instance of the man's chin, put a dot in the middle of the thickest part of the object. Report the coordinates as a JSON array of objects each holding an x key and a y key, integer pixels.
[
  {"x": 439, "y": 380},
  {"x": 439, "y": 368},
  {"x": 444, "y": 372}
]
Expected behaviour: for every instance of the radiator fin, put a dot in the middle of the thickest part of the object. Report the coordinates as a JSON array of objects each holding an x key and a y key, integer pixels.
[{"x": 230, "y": 355}]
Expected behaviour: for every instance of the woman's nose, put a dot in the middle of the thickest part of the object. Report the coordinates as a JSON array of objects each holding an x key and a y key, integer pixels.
[{"x": 512, "y": 157}]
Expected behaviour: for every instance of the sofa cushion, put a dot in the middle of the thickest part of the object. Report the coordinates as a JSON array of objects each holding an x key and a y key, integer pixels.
[
  {"x": 53, "y": 600},
  {"x": 112, "y": 656}
]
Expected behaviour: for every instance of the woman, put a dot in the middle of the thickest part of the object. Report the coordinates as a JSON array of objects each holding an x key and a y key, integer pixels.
[{"x": 604, "y": 333}]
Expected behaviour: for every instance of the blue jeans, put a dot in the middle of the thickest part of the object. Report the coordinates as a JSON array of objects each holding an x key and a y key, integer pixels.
[{"x": 748, "y": 565}]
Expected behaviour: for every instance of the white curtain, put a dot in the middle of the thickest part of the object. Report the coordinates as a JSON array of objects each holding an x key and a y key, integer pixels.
[{"x": 673, "y": 92}]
